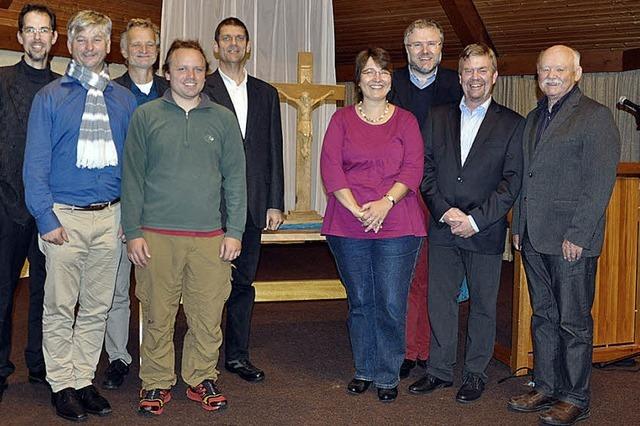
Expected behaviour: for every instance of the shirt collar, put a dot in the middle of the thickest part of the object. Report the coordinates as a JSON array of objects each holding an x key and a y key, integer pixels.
[
  {"x": 481, "y": 109},
  {"x": 231, "y": 81},
  {"x": 544, "y": 102},
  {"x": 417, "y": 82}
]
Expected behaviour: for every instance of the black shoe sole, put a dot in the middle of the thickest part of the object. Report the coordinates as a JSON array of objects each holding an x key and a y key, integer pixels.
[
  {"x": 102, "y": 413},
  {"x": 425, "y": 392},
  {"x": 467, "y": 401},
  {"x": 73, "y": 419},
  {"x": 248, "y": 379}
]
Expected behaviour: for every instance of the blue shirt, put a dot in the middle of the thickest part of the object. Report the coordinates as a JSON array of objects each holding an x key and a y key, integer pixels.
[
  {"x": 470, "y": 122},
  {"x": 418, "y": 83},
  {"x": 143, "y": 98},
  {"x": 50, "y": 174}
]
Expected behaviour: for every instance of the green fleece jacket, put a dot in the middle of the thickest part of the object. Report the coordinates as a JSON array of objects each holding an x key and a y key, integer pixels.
[{"x": 178, "y": 165}]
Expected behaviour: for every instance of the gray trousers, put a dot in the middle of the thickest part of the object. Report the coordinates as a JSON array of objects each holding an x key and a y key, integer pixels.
[
  {"x": 117, "y": 332},
  {"x": 447, "y": 268}
]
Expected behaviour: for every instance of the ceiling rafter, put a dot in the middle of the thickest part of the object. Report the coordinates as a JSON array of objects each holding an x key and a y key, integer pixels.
[
  {"x": 4, "y": 4},
  {"x": 466, "y": 22}
]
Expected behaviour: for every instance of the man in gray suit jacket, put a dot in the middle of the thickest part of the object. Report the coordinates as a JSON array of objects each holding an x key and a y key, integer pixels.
[{"x": 571, "y": 148}]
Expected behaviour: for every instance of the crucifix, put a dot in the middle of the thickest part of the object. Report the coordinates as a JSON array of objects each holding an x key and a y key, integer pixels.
[{"x": 305, "y": 96}]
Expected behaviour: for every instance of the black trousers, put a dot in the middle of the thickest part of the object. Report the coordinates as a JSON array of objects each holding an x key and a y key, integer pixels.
[
  {"x": 243, "y": 294},
  {"x": 561, "y": 295},
  {"x": 447, "y": 268},
  {"x": 17, "y": 243}
]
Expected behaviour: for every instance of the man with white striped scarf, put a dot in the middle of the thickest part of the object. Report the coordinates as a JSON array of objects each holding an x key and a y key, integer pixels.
[{"x": 72, "y": 170}]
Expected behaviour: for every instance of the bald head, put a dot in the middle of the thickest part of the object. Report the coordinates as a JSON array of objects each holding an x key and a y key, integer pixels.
[{"x": 558, "y": 71}]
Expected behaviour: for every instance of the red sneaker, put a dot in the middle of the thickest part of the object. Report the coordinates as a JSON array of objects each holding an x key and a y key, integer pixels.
[
  {"x": 208, "y": 395},
  {"x": 152, "y": 401}
]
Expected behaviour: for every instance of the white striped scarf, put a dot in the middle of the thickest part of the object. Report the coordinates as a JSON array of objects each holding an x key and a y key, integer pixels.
[{"x": 95, "y": 149}]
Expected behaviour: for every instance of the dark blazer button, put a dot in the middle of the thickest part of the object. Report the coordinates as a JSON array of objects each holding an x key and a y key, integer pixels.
[
  {"x": 530, "y": 174},
  {"x": 459, "y": 179}
]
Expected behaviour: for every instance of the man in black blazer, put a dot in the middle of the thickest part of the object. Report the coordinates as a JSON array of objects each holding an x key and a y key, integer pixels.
[
  {"x": 571, "y": 149},
  {"x": 257, "y": 108},
  {"x": 139, "y": 45},
  {"x": 472, "y": 175}
]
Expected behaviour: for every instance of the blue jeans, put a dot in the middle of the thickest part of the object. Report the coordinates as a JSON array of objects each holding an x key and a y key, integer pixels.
[{"x": 376, "y": 274}]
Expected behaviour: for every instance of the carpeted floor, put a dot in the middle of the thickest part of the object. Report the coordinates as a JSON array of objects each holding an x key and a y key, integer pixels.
[{"x": 304, "y": 349}]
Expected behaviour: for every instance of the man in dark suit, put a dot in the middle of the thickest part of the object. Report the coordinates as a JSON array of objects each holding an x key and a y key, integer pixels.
[
  {"x": 571, "y": 148},
  {"x": 257, "y": 108},
  {"x": 18, "y": 233},
  {"x": 417, "y": 87},
  {"x": 472, "y": 175},
  {"x": 139, "y": 44}
]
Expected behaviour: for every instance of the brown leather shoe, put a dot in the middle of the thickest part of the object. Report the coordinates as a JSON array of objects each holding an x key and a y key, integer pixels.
[
  {"x": 563, "y": 414},
  {"x": 530, "y": 402}
]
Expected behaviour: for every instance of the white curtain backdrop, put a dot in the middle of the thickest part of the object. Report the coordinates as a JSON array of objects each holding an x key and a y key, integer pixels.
[{"x": 278, "y": 30}]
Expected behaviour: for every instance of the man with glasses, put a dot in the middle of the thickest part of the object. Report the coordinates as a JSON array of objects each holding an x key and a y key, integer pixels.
[
  {"x": 257, "y": 108},
  {"x": 417, "y": 87},
  {"x": 18, "y": 233},
  {"x": 139, "y": 45},
  {"x": 72, "y": 167}
]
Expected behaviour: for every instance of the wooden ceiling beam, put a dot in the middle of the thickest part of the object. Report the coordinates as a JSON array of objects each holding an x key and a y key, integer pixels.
[
  {"x": 631, "y": 59},
  {"x": 466, "y": 22},
  {"x": 4, "y": 4}
]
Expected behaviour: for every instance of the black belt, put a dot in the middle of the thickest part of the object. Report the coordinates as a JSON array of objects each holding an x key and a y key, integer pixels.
[{"x": 95, "y": 206}]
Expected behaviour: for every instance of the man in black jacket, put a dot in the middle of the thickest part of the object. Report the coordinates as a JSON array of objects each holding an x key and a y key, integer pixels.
[
  {"x": 18, "y": 234},
  {"x": 257, "y": 108},
  {"x": 139, "y": 45},
  {"x": 472, "y": 176}
]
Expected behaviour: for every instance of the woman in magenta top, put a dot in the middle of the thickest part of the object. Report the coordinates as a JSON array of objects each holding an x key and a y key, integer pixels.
[{"x": 371, "y": 165}]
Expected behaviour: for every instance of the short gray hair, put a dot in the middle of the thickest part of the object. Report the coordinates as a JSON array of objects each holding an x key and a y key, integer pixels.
[{"x": 88, "y": 18}]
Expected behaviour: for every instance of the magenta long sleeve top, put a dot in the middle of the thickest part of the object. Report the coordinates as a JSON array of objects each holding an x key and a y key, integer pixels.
[{"x": 368, "y": 159}]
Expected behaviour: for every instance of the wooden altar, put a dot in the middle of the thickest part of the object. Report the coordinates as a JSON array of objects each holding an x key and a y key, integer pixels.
[{"x": 616, "y": 332}]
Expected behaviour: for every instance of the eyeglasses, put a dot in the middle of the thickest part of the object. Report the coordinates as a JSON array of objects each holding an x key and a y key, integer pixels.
[
  {"x": 370, "y": 72},
  {"x": 418, "y": 45},
  {"x": 33, "y": 31}
]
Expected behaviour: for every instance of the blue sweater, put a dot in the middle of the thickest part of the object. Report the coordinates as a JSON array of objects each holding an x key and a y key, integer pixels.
[{"x": 50, "y": 174}]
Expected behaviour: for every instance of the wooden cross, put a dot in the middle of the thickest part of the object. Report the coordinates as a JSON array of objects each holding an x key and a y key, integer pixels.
[{"x": 305, "y": 96}]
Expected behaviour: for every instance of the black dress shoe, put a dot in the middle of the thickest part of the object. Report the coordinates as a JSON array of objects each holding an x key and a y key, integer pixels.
[
  {"x": 68, "y": 405},
  {"x": 245, "y": 370},
  {"x": 357, "y": 386},
  {"x": 115, "y": 374},
  {"x": 422, "y": 363},
  {"x": 406, "y": 367},
  {"x": 470, "y": 390},
  {"x": 93, "y": 402},
  {"x": 387, "y": 395},
  {"x": 38, "y": 377},
  {"x": 428, "y": 384}
]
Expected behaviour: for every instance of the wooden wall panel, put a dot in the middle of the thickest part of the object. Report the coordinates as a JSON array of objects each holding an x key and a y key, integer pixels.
[{"x": 119, "y": 11}]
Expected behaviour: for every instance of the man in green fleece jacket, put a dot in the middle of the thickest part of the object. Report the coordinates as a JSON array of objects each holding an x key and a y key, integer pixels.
[{"x": 182, "y": 155}]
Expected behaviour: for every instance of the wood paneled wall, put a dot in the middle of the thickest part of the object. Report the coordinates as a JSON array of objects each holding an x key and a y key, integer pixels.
[{"x": 119, "y": 11}]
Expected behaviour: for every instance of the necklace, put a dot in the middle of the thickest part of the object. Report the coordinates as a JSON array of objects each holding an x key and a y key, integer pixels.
[{"x": 374, "y": 120}]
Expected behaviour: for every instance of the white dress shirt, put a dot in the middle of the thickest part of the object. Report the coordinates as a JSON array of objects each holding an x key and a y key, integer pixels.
[{"x": 239, "y": 98}]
